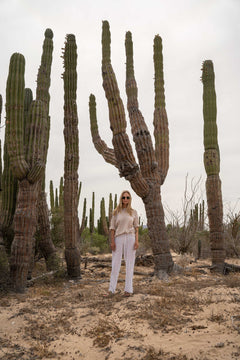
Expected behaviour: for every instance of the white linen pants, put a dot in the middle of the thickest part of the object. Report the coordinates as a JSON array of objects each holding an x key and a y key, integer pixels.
[{"x": 124, "y": 245}]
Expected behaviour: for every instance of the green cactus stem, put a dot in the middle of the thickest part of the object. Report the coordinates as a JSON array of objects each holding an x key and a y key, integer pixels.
[
  {"x": 8, "y": 200},
  {"x": 103, "y": 218},
  {"x": 15, "y": 116},
  {"x": 160, "y": 121},
  {"x": 83, "y": 222},
  {"x": 51, "y": 192},
  {"x": 110, "y": 208},
  {"x": 71, "y": 161},
  {"x": 43, "y": 78},
  {"x": 61, "y": 192},
  {"x": 91, "y": 214},
  {"x": 56, "y": 199},
  {"x": 212, "y": 167}
]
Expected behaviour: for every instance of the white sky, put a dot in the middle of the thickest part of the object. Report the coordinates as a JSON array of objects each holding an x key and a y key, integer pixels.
[{"x": 191, "y": 30}]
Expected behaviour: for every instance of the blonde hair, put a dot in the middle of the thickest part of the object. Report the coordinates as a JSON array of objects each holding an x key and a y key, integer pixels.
[{"x": 120, "y": 207}]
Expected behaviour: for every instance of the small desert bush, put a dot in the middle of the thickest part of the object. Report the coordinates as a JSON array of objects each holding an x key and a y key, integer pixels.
[{"x": 93, "y": 243}]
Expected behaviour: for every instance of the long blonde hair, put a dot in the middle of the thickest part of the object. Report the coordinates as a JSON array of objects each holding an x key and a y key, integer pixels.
[{"x": 120, "y": 207}]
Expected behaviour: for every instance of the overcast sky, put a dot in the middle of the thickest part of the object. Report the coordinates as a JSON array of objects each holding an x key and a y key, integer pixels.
[{"x": 192, "y": 31}]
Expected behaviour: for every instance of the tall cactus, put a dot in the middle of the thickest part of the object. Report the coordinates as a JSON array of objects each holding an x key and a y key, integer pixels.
[
  {"x": 212, "y": 167},
  {"x": 71, "y": 160},
  {"x": 147, "y": 177},
  {"x": 42, "y": 93},
  {"x": 27, "y": 135},
  {"x": 110, "y": 208},
  {"x": 103, "y": 217},
  {"x": 28, "y": 162}
]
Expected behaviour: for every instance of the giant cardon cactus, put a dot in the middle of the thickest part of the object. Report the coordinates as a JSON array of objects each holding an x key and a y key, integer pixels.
[
  {"x": 147, "y": 177},
  {"x": 27, "y": 160},
  {"x": 71, "y": 161},
  {"x": 212, "y": 167},
  {"x": 26, "y": 134}
]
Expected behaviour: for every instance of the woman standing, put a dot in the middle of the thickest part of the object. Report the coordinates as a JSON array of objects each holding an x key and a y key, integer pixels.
[{"x": 124, "y": 240}]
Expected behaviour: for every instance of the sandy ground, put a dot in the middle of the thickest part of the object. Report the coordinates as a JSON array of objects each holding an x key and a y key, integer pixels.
[{"x": 193, "y": 315}]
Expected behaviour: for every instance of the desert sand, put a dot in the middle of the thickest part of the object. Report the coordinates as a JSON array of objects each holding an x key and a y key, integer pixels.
[{"x": 191, "y": 315}]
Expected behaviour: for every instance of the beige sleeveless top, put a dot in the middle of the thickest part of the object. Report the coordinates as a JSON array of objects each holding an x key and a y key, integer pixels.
[{"x": 123, "y": 223}]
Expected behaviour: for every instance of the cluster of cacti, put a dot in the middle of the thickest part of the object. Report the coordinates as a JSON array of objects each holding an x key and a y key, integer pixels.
[
  {"x": 197, "y": 216},
  {"x": 147, "y": 177},
  {"x": 27, "y": 133},
  {"x": 71, "y": 160},
  {"x": 212, "y": 167}
]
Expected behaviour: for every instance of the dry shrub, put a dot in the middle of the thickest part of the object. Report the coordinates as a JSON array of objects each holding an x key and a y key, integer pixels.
[
  {"x": 232, "y": 280},
  {"x": 104, "y": 332},
  {"x": 219, "y": 318},
  {"x": 168, "y": 308},
  {"x": 152, "y": 354},
  {"x": 47, "y": 330},
  {"x": 41, "y": 351}
]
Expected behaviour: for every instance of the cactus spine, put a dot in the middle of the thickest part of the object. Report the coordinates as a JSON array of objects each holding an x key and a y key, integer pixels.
[
  {"x": 212, "y": 167},
  {"x": 147, "y": 177},
  {"x": 71, "y": 160}
]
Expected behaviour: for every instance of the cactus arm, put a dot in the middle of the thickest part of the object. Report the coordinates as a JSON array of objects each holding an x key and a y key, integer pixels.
[
  {"x": 37, "y": 130},
  {"x": 141, "y": 135},
  {"x": 15, "y": 116},
  {"x": 43, "y": 78},
  {"x": 160, "y": 122},
  {"x": 122, "y": 148},
  {"x": 100, "y": 145}
]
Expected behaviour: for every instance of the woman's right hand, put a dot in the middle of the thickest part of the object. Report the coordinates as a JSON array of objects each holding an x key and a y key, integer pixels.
[{"x": 113, "y": 245}]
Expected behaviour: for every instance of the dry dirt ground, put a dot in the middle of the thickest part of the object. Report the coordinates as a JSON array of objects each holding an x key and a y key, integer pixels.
[{"x": 193, "y": 315}]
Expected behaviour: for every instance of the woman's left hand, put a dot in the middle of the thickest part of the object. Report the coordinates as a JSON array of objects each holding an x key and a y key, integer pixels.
[{"x": 136, "y": 245}]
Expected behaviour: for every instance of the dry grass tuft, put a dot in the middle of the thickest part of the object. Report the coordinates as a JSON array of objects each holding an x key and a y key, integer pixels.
[{"x": 104, "y": 332}]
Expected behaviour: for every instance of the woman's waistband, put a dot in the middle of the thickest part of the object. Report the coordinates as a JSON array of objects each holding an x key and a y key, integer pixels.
[{"x": 125, "y": 234}]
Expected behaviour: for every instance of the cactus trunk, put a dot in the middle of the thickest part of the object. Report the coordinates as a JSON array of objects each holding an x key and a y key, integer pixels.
[
  {"x": 212, "y": 167},
  {"x": 71, "y": 160},
  {"x": 157, "y": 231},
  {"x": 45, "y": 241},
  {"x": 25, "y": 221}
]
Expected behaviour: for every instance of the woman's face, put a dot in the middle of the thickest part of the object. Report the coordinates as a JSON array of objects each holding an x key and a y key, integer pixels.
[{"x": 125, "y": 199}]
